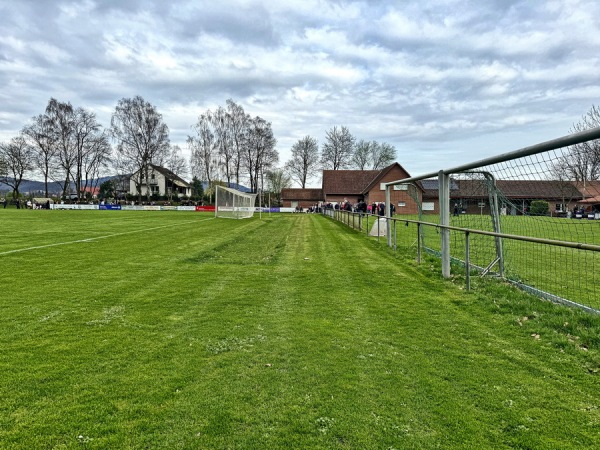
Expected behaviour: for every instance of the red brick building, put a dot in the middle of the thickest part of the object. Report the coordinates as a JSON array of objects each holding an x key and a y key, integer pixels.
[{"x": 353, "y": 186}]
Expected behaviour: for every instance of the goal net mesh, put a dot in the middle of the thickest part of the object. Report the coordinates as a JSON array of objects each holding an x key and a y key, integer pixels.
[{"x": 233, "y": 204}]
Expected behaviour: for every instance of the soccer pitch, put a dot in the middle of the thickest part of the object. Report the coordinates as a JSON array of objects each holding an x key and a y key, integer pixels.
[{"x": 176, "y": 330}]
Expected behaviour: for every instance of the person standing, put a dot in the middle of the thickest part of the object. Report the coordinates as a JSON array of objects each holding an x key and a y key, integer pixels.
[{"x": 4, "y": 202}]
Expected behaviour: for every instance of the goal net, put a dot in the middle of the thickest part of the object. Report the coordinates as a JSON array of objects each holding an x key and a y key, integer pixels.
[{"x": 233, "y": 204}]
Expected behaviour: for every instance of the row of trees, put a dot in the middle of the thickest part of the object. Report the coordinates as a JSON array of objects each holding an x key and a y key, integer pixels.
[
  {"x": 229, "y": 145},
  {"x": 63, "y": 144},
  {"x": 340, "y": 150},
  {"x": 67, "y": 145}
]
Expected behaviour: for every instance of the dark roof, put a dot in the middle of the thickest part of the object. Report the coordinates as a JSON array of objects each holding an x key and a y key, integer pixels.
[
  {"x": 433, "y": 185},
  {"x": 382, "y": 173},
  {"x": 538, "y": 189},
  {"x": 347, "y": 182},
  {"x": 526, "y": 189},
  {"x": 170, "y": 175},
  {"x": 302, "y": 194}
]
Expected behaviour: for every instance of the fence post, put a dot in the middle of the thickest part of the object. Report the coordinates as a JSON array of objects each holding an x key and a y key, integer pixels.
[
  {"x": 444, "y": 201},
  {"x": 418, "y": 242},
  {"x": 468, "y": 260},
  {"x": 388, "y": 216}
]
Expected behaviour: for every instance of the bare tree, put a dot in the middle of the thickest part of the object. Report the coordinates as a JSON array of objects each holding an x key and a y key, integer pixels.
[
  {"x": 582, "y": 161},
  {"x": 17, "y": 157},
  {"x": 204, "y": 155},
  {"x": 337, "y": 149},
  {"x": 3, "y": 167},
  {"x": 92, "y": 149},
  {"x": 95, "y": 160},
  {"x": 219, "y": 121},
  {"x": 175, "y": 161},
  {"x": 238, "y": 122},
  {"x": 362, "y": 154},
  {"x": 305, "y": 160},
  {"x": 142, "y": 138},
  {"x": 277, "y": 179},
  {"x": 39, "y": 135},
  {"x": 382, "y": 155},
  {"x": 61, "y": 118},
  {"x": 260, "y": 154}
]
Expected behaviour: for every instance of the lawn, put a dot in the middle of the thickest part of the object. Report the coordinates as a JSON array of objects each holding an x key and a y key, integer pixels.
[
  {"x": 137, "y": 330},
  {"x": 569, "y": 273}
]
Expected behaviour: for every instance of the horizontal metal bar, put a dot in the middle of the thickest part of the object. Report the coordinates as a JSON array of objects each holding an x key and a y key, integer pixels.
[
  {"x": 565, "y": 141},
  {"x": 577, "y": 245}
]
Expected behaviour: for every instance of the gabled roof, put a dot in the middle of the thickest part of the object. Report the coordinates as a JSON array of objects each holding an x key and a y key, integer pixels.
[
  {"x": 354, "y": 182},
  {"x": 315, "y": 195},
  {"x": 171, "y": 176},
  {"x": 588, "y": 188},
  {"x": 382, "y": 173}
]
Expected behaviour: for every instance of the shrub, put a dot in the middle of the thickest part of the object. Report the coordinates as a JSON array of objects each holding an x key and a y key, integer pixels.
[{"x": 539, "y": 208}]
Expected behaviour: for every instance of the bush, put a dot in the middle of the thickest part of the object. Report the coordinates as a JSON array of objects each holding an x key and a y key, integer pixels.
[{"x": 539, "y": 208}]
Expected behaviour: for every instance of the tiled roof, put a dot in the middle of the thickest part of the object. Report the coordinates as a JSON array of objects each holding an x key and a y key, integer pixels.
[
  {"x": 347, "y": 182},
  {"x": 170, "y": 175},
  {"x": 542, "y": 189},
  {"x": 589, "y": 188},
  {"x": 302, "y": 194},
  {"x": 538, "y": 189}
]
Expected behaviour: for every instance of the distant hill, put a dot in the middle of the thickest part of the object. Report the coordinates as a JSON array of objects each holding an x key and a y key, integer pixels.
[
  {"x": 33, "y": 187},
  {"x": 239, "y": 187}
]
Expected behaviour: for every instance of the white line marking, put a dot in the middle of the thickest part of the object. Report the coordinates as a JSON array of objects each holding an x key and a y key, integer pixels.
[{"x": 100, "y": 237}]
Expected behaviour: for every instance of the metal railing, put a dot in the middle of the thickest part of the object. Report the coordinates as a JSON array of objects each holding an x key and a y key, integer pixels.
[
  {"x": 566, "y": 275},
  {"x": 361, "y": 221}
]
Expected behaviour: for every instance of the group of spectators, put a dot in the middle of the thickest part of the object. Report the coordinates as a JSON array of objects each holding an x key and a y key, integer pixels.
[
  {"x": 375, "y": 208},
  {"x": 29, "y": 204}
]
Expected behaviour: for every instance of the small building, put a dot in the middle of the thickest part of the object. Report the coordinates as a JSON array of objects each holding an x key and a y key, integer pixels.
[
  {"x": 301, "y": 198},
  {"x": 161, "y": 181},
  {"x": 514, "y": 196},
  {"x": 340, "y": 186}
]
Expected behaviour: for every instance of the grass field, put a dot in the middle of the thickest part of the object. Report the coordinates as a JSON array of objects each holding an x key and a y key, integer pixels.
[
  {"x": 572, "y": 274},
  {"x": 174, "y": 330}
]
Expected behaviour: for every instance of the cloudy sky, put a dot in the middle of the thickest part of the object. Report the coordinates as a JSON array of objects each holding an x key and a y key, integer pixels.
[{"x": 445, "y": 82}]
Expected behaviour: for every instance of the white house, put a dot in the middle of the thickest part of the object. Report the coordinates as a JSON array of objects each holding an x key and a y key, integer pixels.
[{"x": 160, "y": 181}]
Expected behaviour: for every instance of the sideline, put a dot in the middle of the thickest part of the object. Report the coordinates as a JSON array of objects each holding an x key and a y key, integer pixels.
[{"x": 100, "y": 237}]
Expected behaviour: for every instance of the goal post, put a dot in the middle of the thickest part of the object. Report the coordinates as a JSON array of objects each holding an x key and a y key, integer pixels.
[{"x": 233, "y": 204}]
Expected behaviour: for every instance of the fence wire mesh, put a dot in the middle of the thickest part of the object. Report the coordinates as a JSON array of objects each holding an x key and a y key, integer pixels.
[
  {"x": 545, "y": 196},
  {"x": 550, "y": 195}
]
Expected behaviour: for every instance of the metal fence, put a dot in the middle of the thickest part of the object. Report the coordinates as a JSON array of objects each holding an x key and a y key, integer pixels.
[{"x": 486, "y": 220}]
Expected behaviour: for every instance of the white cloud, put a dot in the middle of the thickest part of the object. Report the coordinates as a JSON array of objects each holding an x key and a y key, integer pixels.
[{"x": 424, "y": 76}]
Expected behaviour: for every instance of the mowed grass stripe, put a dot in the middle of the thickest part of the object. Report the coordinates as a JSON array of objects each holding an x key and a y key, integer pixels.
[{"x": 286, "y": 332}]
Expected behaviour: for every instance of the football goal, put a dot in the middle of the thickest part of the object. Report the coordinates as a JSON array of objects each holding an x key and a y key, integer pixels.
[{"x": 233, "y": 204}]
